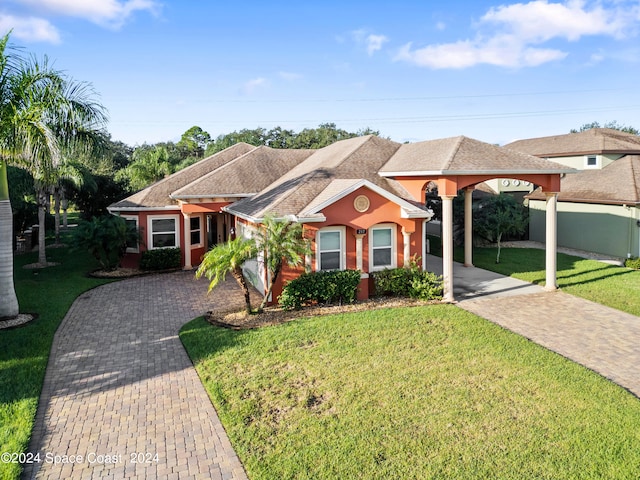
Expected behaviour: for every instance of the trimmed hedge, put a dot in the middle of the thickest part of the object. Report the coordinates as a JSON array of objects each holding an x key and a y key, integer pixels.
[
  {"x": 336, "y": 286},
  {"x": 160, "y": 259},
  {"x": 408, "y": 282},
  {"x": 632, "y": 263}
]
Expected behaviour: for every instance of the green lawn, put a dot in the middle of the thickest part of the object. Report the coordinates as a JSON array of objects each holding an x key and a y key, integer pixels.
[
  {"x": 425, "y": 392},
  {"x": 24, "y": 351},
  {"x": 616, "y": 287}
]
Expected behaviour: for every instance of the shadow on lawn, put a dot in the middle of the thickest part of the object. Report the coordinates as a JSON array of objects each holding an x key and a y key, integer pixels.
[{"x": 531, "y": 261}]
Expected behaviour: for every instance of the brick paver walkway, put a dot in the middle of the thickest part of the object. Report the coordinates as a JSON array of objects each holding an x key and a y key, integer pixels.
[
  {"x": 121, "y": 398},
  {"x": 600, "y": 338}
]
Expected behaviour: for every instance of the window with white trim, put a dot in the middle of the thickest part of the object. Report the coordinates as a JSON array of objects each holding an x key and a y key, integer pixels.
[
  {"x": 163, "y": 231},
  {"x": 330, "y": 253},
  {"x": 591, "y": 161},
  {"x": 382, "y": 247},
  {"x": 132, "y": 221},
  {"x": 195, "y": 226}
]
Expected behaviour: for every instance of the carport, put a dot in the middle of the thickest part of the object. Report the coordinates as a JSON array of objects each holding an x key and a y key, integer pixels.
[{"x": 461, "y": 163}]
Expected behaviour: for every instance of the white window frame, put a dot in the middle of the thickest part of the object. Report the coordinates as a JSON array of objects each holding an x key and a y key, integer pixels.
[
  {"x": 394, "y": 247},
  {"x": 200, "y": 230},
  {"x": 150, "y": 218},
  {"x": 343, "y": 250},
  {"x": 586, "y": 161},
  {"x": 136, "y": 219}
]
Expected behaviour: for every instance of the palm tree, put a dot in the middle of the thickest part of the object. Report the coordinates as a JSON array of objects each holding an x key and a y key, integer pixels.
[
  {"x": 282, "y": 242},
  {"x": 228, "y": 258},
  {"x": 73, "y": 120},
  {"x": 41, "y": 114},
  {"x": 71, "y": 174},
  {"x": 8, "y": 301},
  {"x": 148, "y": 166}
]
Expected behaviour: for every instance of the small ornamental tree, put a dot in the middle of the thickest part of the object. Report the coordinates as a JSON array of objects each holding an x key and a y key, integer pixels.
[
  {"x": 500, "y": 215},
  {"x": 282, "y": 242},
  {"x": 228, "y": 258}
]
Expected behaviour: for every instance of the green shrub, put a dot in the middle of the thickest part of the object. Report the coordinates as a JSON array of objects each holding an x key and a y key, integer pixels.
[
  {"x": 632, "y": 263},
  {"x": 106, "y": 238},
  {"x": 408, "y": 282},
  {"x": 160, "y": 259},
  {"x": 337, "y": 286}
]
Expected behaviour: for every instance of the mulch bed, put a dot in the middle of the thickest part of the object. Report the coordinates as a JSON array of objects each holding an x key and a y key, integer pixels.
[
  {"x": 128, "y": 272},
  {"x": 274, "y": 315}
]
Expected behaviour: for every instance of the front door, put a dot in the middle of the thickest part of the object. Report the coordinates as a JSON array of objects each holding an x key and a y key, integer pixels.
[{"x": 212, "y": 231}]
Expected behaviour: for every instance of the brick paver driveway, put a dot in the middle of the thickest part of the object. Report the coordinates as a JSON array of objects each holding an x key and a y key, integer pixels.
[{"x": 121, "y": 398}]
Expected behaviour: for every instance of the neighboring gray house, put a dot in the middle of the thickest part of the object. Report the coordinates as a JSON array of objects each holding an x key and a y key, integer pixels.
[{"x": 598, "y": 207}]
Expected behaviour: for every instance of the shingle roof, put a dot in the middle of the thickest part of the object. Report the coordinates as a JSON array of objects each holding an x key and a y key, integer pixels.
[
  {"x": 157, "y": 195},
  {"x": 617, "y": 183},
  {"x": 464, "y": 156},
  {"x": 594, "y": 140},
  {"x": 358, "y": 158},
  {"x": 245, "y": 175}
]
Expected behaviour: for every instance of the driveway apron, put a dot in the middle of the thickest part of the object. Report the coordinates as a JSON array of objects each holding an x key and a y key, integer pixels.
[
  {"x": 600, "y": 338},
  {"x": 121, "y": 398}
]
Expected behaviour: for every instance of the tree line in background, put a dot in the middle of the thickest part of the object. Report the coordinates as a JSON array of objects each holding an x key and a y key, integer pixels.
[{"x": 119, "y": 170}]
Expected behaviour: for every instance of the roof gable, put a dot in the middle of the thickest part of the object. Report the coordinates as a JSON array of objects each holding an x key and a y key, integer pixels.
[
  {"x": 617, "y": 183},
  {"x": 352, "y": 159},
  {"x": 245, "y": 175},
  {"x": 464, "y": 156},
  {"x": 594, "y": 140},
  {"x": 158, "y": 194},
  {"x": 338, "y": 189}
]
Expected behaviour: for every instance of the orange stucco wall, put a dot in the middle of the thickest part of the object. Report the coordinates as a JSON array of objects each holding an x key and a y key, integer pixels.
[
  {"x": 450, "y": 185},
  {"x": 132, "y": 260},
  {"x": 343, "y": 213}
]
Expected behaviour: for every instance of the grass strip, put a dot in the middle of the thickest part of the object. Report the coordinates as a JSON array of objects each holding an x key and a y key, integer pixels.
[{"x": 610, "y": 285}]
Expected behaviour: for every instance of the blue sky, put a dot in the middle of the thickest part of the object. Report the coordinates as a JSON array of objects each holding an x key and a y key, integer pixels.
[{"x": 414, "y": 70}]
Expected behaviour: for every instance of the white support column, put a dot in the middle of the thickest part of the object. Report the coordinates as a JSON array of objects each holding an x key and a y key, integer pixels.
[
  {"x": 187, "y": 241},
  {"x": 447, "y": 247},
  {"x": 468, "y": 227},
  {"x": 359, "y": 254},
  {"x": 425, "y": 241},
  {"x": 551, "y": 244},
  {"x": 406, "y": 236}
]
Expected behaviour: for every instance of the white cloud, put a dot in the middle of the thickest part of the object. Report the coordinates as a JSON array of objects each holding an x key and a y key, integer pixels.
[
  {"x": 29, "y": 29},
  {"x": 252, "y": 85},
  {"x": 371, "y": 42},
  {"x": 522, "y": 29},
  {"x": 541, "y": 21},
  {"x": 109, "y": 13},
  {"x": 375, "y": 42}
]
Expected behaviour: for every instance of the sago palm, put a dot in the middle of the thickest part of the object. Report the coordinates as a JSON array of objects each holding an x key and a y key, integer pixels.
[{"x": 228, "y": 258}]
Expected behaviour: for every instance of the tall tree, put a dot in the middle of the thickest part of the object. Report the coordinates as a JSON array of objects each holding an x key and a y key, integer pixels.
[
  {"x": 148, "y": 166},
  {"x": 614, "y": 125},
  {"x": 13, "y": 82},
  {"x": 194, "y": 142},
  {"x": 69, "y": 122},
  {"x": 42, "y": 114}
]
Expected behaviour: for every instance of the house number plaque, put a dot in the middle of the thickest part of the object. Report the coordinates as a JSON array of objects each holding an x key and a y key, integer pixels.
[{"x": 361, "y": 203}]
